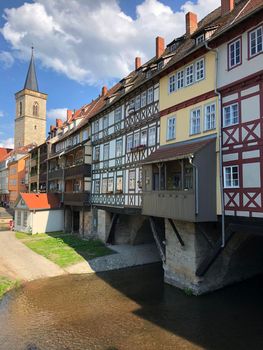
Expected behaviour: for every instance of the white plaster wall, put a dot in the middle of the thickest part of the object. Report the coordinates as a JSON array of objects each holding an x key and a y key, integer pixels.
[
  {"x": 248, "y": 66},
  {"x": 47, "y": 221}
]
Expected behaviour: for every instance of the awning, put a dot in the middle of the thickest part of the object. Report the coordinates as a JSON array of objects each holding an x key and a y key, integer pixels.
[{"x": 178, "y": 150}]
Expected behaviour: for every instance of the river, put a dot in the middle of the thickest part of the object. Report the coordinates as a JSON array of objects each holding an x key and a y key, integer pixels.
[{"x": 129, "y": 309}]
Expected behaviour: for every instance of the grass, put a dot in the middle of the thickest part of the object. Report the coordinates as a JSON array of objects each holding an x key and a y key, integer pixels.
[
  {"x": 6, "y": 284},
  {"x": 62, "y": 248}
]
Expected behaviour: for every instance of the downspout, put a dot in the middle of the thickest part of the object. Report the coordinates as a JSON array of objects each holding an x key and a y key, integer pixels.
[
  {"x": 220, "y": 145},
  {"x": 196, "y": 184}
]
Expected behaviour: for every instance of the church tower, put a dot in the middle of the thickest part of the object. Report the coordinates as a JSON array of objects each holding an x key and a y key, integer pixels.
[{"x": 30, "y": 120}]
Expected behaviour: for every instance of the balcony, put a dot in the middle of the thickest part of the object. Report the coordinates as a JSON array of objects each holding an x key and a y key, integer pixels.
[
  {"x": 77, "y": 198},
  {"x": 178, "y": 205},
  {"x": 43, "y": 177},
  {"x": 33, "y": 178},
  {"x": 78, "y": 170},
  {"x": 33, "y": 162},
  {"x": 55, "y": 174}
]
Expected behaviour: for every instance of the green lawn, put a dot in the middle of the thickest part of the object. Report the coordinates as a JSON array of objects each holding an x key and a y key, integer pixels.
[
  {"x": 63, "y": 249},
  {"x": 6, "y": 284}
]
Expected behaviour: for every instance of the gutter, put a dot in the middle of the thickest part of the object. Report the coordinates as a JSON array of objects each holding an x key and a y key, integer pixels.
[{"x": 221, "y": 185}]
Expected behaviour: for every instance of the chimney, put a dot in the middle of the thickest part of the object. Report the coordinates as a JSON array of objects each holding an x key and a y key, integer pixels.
[
  {"x": 104, "y": 90},
  {"x": 59, "y": 123},
  {"x": 190, "y": 23},
  {"x": 138, "y": 62},
  {"x": 159, "y": 46},
  {"x": 227, "y": 6},
  {"x": 69, "y": 115}
]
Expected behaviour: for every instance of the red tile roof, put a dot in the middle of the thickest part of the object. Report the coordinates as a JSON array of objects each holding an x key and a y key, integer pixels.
[
  {"x": 4, "y": 152},
  {"x": 41, "y": 200},
  {"x": 177, "y": 151}
]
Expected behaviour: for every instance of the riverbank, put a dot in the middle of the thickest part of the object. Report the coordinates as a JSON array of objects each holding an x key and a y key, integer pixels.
[
  {"x": 6, "y": 284},
  {"x": 17, "y": 261}
]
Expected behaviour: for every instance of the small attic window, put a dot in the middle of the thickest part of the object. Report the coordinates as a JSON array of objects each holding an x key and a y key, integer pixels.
[
  {"x": 160, "y": 64},
  {"x": 148, "y": 74},
  {"x": 200, "y": 39},
  {"x": 173, "y": 47}
]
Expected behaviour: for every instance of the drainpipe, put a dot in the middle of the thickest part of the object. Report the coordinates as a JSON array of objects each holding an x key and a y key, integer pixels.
[
  {"x": 220, "y": 145},
  {"x": 196, "y": 184}
]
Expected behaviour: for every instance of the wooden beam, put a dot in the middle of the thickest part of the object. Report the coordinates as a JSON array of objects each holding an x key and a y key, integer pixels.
[
  {"x": 214, "y": 253},
  {"x": 111, "y": 234},
  {"x": 157, "y": 239},
  {"x": 176, "y": 232}
]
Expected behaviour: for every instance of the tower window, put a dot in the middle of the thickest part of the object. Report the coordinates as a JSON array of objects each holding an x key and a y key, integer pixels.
[
  {"x": 35, "y": 109},
  {"x": 35, "y": 127},
  {"x": 20, "y": 108}
]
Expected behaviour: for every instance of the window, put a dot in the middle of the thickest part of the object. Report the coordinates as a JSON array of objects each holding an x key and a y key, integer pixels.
[
  {"x": 18, "y": 219},
  {"x": 137, "y": 103},
  {"x": 144, "y": 137},
  {"x": 199, "y": 69},
  {"x": 97, "y": 186},
  {"x": 119, "y": 148},
  {"x": 97, "y": 153},
  {"x": 189, "y": 75},
  {"x": 136, "y": 140},
  {"x": 230, "y": 114},
  {"x": 195, "y": 121},
  {"x": 150, "y": 95},
  {"x": 119, "y": 184},
  {"x": 172, "y": 83},
  {"x": 85, "y": 134},
  {"x": 180, "y": 79},
  {"x": 35, "y": 109},
  {"x": 210, "y": 116},
  {"x": 96, "y": 126},
  {"x": 143, "y": 99},
  {"x": 110, "y": 185},
  {"x": 104, "y": 185},
  {"x": 117, "y": 115},
  {"x": 256, "y": 41},
  {"x": 105, "y": 122},
  {"x": 231, "y": 177},
  {"x": 160, "y": 64},
  {"x": 20, "y": 108},
  {"x": 171, "y": 128},
  {"x": 77, "y": 185},
  {"x": 106, "y": 151},
  {"x": 129, "y": 143},
  {"x": 132, "y": 180},
  {"x": 234, "y": 54},
  {"x": 152, "y": 136},
  {"x": 200, "y": 39}
]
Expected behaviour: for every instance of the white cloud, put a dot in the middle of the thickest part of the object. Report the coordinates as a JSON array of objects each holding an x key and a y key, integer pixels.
[
  {"x": 7, "y": 143},
  {"x": 1, "y": 114},
  {"x": 57, "y": 113},
  {"x": 94, "y": 41},
  {"x": 6, "y": 59}
]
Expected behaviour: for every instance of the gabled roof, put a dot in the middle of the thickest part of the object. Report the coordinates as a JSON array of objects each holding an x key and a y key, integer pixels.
[
  {"x": 178, "y": 150},
  {"x": 40, "y": 201},
  {"x": 4, "y": 152},
  {"x": 31, "y": 78}
]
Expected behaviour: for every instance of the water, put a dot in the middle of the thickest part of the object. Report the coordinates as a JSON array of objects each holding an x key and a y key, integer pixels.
[{"x": 129, "y": 309}]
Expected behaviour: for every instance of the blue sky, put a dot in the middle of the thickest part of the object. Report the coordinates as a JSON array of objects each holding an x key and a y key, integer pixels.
[{"x": 79, "y": 46}]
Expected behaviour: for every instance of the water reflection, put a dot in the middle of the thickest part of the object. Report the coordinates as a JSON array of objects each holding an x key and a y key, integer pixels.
[{"x": 129, "y": 309}]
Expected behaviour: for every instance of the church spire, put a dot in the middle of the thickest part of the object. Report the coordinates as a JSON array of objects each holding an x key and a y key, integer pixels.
[{"x": 31, "y": 78}]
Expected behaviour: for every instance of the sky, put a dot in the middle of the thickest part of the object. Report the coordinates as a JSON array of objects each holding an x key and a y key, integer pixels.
[{"x": 79, "y": 46}]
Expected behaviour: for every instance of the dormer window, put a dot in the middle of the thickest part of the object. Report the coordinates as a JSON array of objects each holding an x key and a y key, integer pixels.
[
  {"x": 148, "y": 74},
  {"x": 160, "y": 64},
  {"x": 200, "y": 39}
]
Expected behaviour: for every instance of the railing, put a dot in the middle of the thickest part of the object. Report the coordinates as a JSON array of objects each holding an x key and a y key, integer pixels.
[
  {"x": 78, "y": 170},
  {"x": 55, "y": 174},
  {"x": 77, "y": 198},
  {"x": 118, "y": 199},
  {"x": 179, "y": 205}
]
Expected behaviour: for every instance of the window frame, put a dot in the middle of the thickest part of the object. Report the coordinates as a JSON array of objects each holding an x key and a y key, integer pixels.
[
  {"x": 150, "y": 95},
  {"x": 106, "y": 146},
  {"x": 205, "y": 116},
  {"x": 191, "y": 121},
  {"x": 129, "y": 137},
  {"x": 133, "y": 188},
  {"x": 231, "y": 116},
  {"x": 196, "y": 71},
  {"x": 231, "y": 174},
  {"x": 149, "y": 143},
  {"x": 180, "y": 80},
  {"x": 192, "y": 75},
  {"x": 173, "y": 83},
  {"x": 119, "y": 142},
  {"x": 171, "y": 127},
  {"x": 250, "y": 56},
  {"x": 233, "y": 42}
]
